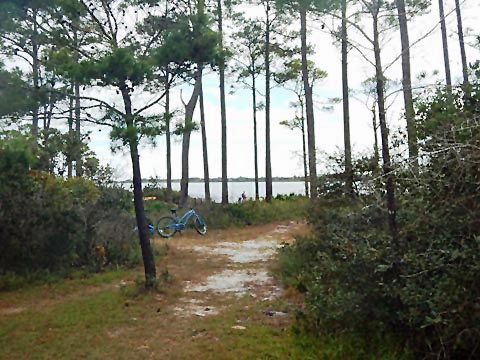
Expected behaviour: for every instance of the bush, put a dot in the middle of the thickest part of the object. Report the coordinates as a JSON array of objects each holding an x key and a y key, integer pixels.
[
  {"x": 51, "y": 224},
  {"x": 427, "y": 288},
  {"x": 251, "y": 212}
]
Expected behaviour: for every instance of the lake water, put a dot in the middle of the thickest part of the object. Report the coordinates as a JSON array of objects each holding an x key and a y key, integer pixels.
[{"x": 235, "y": 189}]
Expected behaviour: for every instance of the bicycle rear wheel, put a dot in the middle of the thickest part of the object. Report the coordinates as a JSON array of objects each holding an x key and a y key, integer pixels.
[
  {"x": 166, "y": 226},
  {"x": 200, "y": 225}
]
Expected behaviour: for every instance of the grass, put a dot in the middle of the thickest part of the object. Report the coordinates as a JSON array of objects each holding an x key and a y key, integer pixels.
[
  {"x": 108, "y": 315},
  {"x": 102, "y": 325}
]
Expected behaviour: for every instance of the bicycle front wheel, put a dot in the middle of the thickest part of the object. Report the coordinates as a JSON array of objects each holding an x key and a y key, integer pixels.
[
  {"x": 166, "y": 226},
  {"x": 200, "y": 225}
]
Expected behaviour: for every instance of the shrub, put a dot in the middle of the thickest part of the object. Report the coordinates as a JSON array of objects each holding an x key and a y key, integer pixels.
[
  {"x": 51, "y": 224},
  {"x": 426, "y": 289},
  {"x": 252, "y": 212}
]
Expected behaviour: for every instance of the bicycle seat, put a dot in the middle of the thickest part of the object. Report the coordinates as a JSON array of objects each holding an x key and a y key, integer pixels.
[{"x": 173, "y": 210}]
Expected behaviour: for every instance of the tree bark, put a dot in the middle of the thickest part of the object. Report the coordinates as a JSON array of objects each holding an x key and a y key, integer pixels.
[
  {"x": 70, "y": 135},
  {"x": 304, "y": 148},
  {"x": 169, "y": 197},
  {"x": 376, "y": 155},
  {"x": 446, "y": 59},
  {"x": 255, "y": 147},
  {"x": 35, "y": 73},
  {"x": 206, "y": 176},
  {"x": 268, "y": 158},
  {"x": 309, "y": 106},
  {"x": 346, "y": 104},
  {"x": 407, "y": 85},
  {"x": 387, "y": 166},
  {"x": 222, "y": 107},
  {"x": 189, "y": 109},
  {"x": 78, "y": 135},
  {"x": 147, "y": 253},
  {"x": 462, "y": 42}
]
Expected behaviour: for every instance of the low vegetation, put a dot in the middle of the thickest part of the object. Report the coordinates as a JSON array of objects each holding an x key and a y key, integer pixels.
[
  {"x": 424, "y": 288},
  {"x": 51, "y": 226},
  {"x": 115, "y": 317},
  {"x": 219, "y": 216}
]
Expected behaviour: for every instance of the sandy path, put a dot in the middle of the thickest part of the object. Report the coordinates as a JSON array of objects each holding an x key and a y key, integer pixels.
[
  {"x": 245, "y": 259},
  {"x": 219, "y": 302}
]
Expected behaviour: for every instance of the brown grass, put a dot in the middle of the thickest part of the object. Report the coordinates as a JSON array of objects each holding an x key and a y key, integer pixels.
[{"x": 77, "y": 320}]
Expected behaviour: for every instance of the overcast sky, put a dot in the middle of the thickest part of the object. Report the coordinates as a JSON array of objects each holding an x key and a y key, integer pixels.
[{"x": 286, "y": 144}]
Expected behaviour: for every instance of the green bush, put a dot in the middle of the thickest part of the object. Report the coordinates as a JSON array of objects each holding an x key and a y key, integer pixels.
[
  {"x": 252, "y": 212},
  {"x": 49, "y": 224},
  {"x": 426, "y": 289}
]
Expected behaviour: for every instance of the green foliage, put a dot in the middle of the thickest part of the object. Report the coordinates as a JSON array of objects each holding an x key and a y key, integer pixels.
[
  {"x": 293, "y": 72},
  {"x": 111, "y": 68},
  {"x": 13, "y": 90},
  {"x": 51, "y": 224},
  {"x": 309, "y": 5},
  {"x": 253, "y": 212},
  {"x": 189, "y": 40},
  {"x": 425, "y": 288}
]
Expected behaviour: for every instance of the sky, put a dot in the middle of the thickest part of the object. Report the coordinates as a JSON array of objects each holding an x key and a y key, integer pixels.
[{"x": 286, "y": 144}]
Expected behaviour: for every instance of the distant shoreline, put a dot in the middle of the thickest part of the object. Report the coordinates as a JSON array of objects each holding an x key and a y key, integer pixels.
[{"x": 237, "y": 180}]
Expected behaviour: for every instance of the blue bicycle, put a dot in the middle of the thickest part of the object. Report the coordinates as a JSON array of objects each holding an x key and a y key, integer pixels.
[
  {"x": 167, "y": 226},
  {"x": 151, "y": 227}
]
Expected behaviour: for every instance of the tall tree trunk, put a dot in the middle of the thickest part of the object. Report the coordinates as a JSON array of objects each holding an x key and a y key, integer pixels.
[
  {"x": 189, "y": 109},
  {"x": 309, "y": 106},
  {"x": 462, "y": 42},
  {"x": 376, "y": 155},
  {"x": 346, "y": 104},
  {"x": 446, "y": 59},
  {"x": 304, "y": 148},
  {"x": 78, "y": 153},
  {"x": 255, "y": 147},
  {"x": 168, "y": 118},
  {"x": 206, "y": 176},
  {"x": 70, "y": 135},
  {"x": 78, "y": 135},
  {"x": 223, "y": 112},
  {"x": 147, "y": 253},
  {"x": 35, "y": 73},
  {"x": 387, "y": 166},
  {"x": 268, "y": 158},
  {"x": 407, "y": 85}
]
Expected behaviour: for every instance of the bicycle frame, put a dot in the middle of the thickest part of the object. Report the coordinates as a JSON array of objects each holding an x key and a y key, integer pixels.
[{"x": 181, "y": 223}]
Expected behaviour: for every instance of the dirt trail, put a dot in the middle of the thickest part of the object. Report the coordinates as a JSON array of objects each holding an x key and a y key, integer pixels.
[
  {"x": 245, "y": 258},
  {"x": 220, "y": 302}
]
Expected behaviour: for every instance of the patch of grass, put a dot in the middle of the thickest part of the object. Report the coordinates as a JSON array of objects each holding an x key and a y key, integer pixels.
[
  {"x": 97, "y": 317},
  {"x": 108, "y": 323},
  {"x": 266, "y": 337},
  {"x": 11, "y": 281}
]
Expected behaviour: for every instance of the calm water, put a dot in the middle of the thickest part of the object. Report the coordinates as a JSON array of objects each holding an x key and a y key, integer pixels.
[{"x": 235, "y": 189}]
